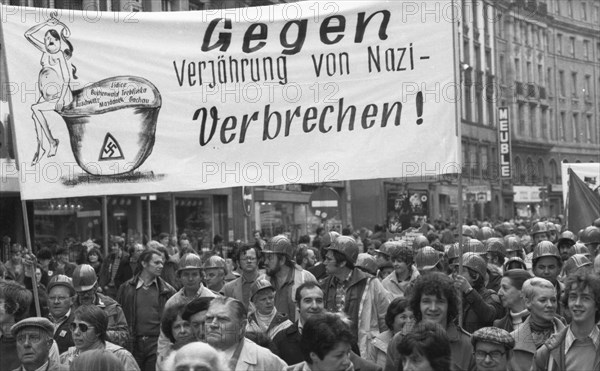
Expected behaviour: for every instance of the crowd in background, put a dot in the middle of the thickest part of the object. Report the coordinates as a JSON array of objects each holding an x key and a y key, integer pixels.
[{"x": 510, "y": 296}]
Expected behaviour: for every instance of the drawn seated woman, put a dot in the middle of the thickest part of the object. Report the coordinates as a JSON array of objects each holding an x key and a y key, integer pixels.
[{"x": 54, "y": 78}]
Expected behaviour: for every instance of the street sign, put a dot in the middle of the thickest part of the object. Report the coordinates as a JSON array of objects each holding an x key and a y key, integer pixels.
[
  {"x": 324, "y": 202},
  {"x": 247, "y": 200}
]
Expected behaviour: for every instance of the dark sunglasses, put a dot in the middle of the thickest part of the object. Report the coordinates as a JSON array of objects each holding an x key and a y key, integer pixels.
[{"x": 82, "y": 327}]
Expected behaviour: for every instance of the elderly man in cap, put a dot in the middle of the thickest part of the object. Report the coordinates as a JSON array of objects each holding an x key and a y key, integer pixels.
[
  {"x": 265, "y": 318},
  {"x": 34, "y": 344},
  {"x": 86, "y": 286},
  {"x": 61, "y": 296},
  {"x": 225, "y": 325},
  {"x": 15, "y": 301},
  {"x": 285, "y": 275},
  {"x": 346, "y": 289},
  {"x": 492, "y": 348},
  {"x": 190, "y": 275}
]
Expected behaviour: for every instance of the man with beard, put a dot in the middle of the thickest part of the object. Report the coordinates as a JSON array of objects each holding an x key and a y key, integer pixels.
[
  {"x": 143, "y": 298},
  {"x": 225, "y": 325},
  {"x": 285, "y": 275},
  {"x": 61, "y": 297},
  {"x": 240, "y": 287},
  {"x": 305, "y": 257},
  {"x": 357, "y": 294},
  {"x": 85, "y": 284}
]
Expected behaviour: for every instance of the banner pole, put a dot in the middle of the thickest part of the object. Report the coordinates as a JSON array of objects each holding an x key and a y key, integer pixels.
[
  {"x": 36, "y": 297},
  {"x": 458, "y": 76},
  {"x": 105, "y": 224}
]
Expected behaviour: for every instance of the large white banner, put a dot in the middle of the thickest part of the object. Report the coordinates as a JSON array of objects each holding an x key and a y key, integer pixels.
[{"x": 117, "y": 103}]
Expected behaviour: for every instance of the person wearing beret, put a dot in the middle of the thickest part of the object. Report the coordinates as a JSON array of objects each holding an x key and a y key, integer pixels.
[
  {"x": 34, "y": 342},
  {"x": 492, "y": 349}
]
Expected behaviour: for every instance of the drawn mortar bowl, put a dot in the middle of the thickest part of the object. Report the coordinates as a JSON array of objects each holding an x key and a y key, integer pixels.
[{"x": 112, "y": 124}]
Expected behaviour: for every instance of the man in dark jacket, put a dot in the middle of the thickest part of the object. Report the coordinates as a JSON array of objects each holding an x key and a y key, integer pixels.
[
  {"x": 286, "y": 344},
  {"x": 143, "y": 298},
  {"x": 115, "y": 269},
  {"x": 481, "y": 306}
]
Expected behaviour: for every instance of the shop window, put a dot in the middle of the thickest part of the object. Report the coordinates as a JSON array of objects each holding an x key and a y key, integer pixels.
[
  {"x": 63, "y": 222},
  {"x": 194, "y": 218}
]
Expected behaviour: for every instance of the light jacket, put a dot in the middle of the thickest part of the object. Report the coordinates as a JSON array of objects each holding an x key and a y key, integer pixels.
[
  {"x": 396, "y": 288},
  {"x": 125, "y": 358},
  {"x": 256, "y": 358},
  {"x": 366, "y": 303},
  {"x": 551, "y": 355},
  {"x": 525, "y": 349},
  {"x": 378, "y": 352}
]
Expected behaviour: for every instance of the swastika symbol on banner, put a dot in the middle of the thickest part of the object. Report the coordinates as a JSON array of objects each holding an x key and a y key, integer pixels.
[{"x": 110, "y": 149}]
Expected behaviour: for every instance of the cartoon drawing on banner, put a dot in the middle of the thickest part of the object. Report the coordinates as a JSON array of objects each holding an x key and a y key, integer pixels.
[
  {"x": 54, "y": 79},
  {"x": 99, "y": 117}
]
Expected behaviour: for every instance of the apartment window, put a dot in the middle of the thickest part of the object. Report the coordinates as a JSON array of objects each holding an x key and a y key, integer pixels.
[
  {"x": 558, "y": 10},
  {"x": 515, "y": 30},
  {"x": 544, "y": 123},
  {"x": 561, "y": 83},
  {"x": 588, "y": 129},
  {"x": 488, "y": 59},
  {"x": 484, "y": 160},
  {"x": 570, "y": 8},
  {"x": 501, "y": 67},
  {"x": 477, "y": 52},
  {"x": 574, "y": 84},
  {"x": 166, "y": 5},
  {"x": 549, "y": 79},
  {"x": 587, "y": 87},
  {"x": 529, "y": 72},
  {"x": 572, "y": 46},
  {"x": 540, "y": 74},
  {"x": 518, "y": 69},
  {"x": 551, "y": 124},
  {"x": 586, "y": 50},
  {"x": 598, "y": 50},
  {"x": 538, "y": 36},
  {"x": 546, "y": 44},
  {"x": 559, "y": 48},
  {"x": 575, "y": 127},
  {"x": 466, "y": 51},
  {"x": 532, "y": 121},
  {"x": 584, "y": 11},
  {"x": 562, "y": 127},
  {"x": 521, "y": 114}
]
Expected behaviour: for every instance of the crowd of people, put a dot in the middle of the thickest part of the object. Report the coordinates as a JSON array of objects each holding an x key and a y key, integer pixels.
[{"x": 505, "y": 297}]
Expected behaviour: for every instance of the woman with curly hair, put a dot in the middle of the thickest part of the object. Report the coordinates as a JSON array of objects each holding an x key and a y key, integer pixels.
[{"x": 426, "y": 348}]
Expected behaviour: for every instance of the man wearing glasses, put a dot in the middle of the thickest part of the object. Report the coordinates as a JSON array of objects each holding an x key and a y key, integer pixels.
[
  {"x": 34, "y": 342},
  {"x": 492, "y": 347},
  {"x": 240, "y": 287},
  {"x": 61, "y": 296},
  {"x": 86, "y": 286}
]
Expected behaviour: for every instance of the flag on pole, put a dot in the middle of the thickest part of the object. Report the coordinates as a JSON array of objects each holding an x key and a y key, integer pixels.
[{"x": 583, "y": 204}]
